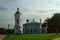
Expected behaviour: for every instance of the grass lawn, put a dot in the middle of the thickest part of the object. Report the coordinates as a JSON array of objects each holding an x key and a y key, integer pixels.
[{"x": 49, "y": 36}]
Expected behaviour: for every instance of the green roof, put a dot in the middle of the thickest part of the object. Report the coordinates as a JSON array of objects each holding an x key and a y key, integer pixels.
[{"x": 32, "y": 23}]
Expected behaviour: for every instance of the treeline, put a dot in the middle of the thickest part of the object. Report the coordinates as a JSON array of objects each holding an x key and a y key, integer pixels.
[
  {"x": 54, "y": 23},
  {"x": 6, "y": 31}
]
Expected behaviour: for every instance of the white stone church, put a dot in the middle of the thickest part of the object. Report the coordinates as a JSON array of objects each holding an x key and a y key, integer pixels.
[{"x": 32, "y": 27}]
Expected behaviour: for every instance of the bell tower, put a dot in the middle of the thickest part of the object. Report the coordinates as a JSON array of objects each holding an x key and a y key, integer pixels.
[{"x": 18, "y": 28}]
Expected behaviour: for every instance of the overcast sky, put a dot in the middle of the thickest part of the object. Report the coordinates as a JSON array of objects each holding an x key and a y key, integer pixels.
[{"x": 37, "y": 9}]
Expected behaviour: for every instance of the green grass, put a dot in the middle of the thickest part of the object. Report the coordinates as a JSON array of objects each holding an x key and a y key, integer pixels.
[{"x": 49, "y": 36}]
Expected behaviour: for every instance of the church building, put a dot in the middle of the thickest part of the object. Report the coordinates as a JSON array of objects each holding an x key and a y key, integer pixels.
[{"x": 32, "y": 27}]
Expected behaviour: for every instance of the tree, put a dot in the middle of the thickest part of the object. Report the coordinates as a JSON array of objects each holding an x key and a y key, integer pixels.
[{"x": 53, "y": 23}]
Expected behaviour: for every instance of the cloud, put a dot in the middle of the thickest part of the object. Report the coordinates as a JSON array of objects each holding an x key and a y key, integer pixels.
[
  {"x": 38, "y": 9},
  {"x": 2, "y": 8}
]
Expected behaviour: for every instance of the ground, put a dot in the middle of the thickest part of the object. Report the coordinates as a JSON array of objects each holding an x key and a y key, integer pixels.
[
  {"x": 57, "y": 38},
  {"x": 2, "y": 36},
  {"x": 49, "y": 36}
]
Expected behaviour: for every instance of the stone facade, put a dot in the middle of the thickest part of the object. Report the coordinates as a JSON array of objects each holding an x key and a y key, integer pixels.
[
  {"x": 31, "y": 27},
  {"x": 34, "y": 28}
]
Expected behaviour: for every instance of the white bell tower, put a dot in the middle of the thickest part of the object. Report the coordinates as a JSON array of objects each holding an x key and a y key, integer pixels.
[{"x": 18, "y": 28}]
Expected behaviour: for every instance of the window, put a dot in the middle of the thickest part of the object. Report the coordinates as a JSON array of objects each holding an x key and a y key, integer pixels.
[
  {"x": 35, "y": 30},
  {"x": 31, "y": 30},
  {"x": 17, "y": 20},
  {"x": 27, "y": 30}
]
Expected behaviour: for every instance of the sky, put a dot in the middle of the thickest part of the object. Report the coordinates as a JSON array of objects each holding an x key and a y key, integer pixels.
[{"x": 37, "y": 9}]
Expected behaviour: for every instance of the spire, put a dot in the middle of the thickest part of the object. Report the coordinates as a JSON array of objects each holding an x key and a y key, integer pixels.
[
  {"x": 40, "y": 20},
  {"x": 17, "y": 9}
]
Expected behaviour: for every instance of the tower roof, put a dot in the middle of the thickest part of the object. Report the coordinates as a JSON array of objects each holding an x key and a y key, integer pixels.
[{"x": 17, "y": 9}]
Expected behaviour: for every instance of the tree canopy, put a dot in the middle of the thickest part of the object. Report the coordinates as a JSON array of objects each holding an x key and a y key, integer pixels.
[{"x": 54, "y": 22}]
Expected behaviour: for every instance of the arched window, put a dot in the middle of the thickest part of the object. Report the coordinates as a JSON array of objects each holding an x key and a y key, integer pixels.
[
  {"x": 35, "y": 30},
  {"x": 27, "y": 30},
  {"x": 31, "y": 30},
  {"x": 17, "y": 20}
]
